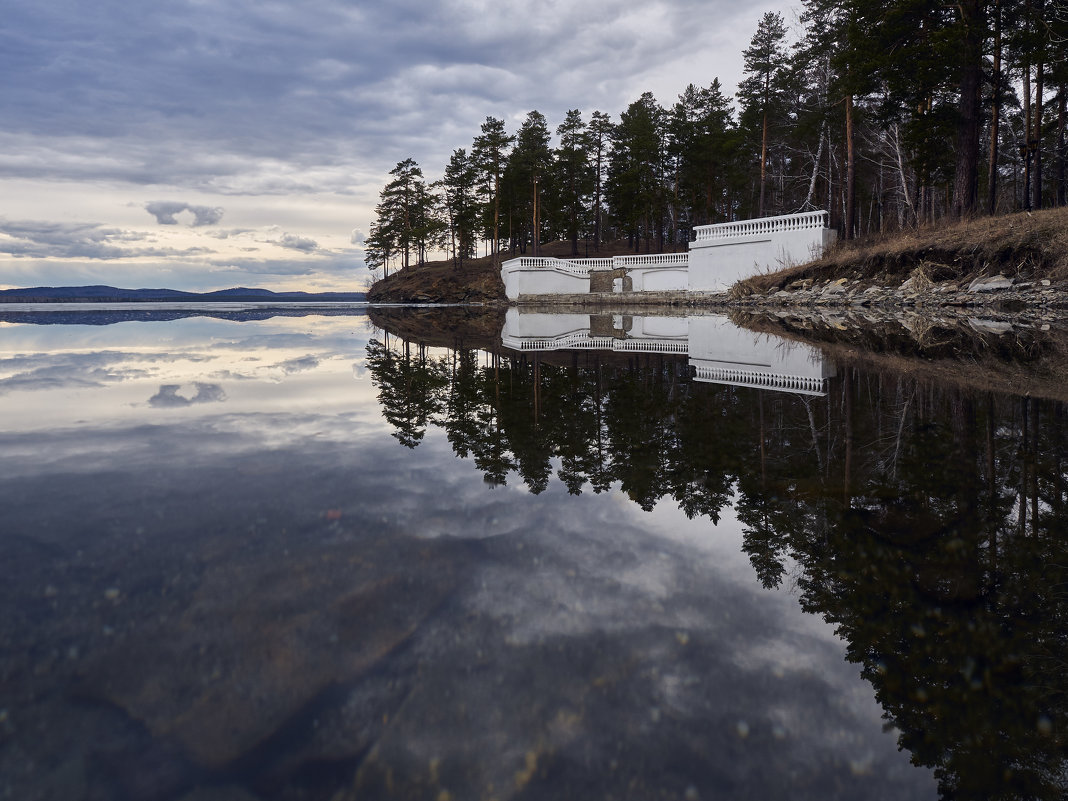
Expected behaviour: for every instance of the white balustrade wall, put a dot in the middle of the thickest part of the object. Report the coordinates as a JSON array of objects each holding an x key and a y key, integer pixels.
[
  {"x": 719, "y": 256},
  {"x": 723, "y": 254},
  {"x": 545, "y": 276},
  {"x": 655, "y": 272}
]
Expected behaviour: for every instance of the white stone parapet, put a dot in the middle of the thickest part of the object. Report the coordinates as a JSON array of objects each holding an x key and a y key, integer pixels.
[
  {"x": 723, "y": 254},
  {"x": 719, "y": 256},
  {"x": 529, "y": 275},
  {"x": 545, "y": 275},
  {"x": 652, "y": 260},
  {"x": 580, "y": 267},
  {"x": 762, "y": 226}
]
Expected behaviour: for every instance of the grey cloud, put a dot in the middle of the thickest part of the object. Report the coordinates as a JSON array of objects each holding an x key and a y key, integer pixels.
[
  {"x": 324, "y": 261},
  {"x": 299, "y": 365},
  {"x": 44, "y": 239},
  {"x": 165, "y": 211},
  {"x": 86, "y": 240},
  {"x": 168, "y": 396},
  {"x": 244, "y": 97},
  {"x": 228, "y": 233},
  {"x": 295, "y": 242}
]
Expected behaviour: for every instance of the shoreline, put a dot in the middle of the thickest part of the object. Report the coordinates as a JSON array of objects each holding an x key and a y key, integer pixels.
[{"x": 996, "y": 295}]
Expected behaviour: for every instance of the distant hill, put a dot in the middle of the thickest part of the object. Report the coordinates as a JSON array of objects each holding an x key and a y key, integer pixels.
[{"x": 110, "y": 294}]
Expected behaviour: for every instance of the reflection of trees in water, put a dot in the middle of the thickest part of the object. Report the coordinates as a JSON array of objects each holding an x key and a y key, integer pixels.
[
  {"x": 926, "y": 522},
  {"x": 410, "y": 388}
]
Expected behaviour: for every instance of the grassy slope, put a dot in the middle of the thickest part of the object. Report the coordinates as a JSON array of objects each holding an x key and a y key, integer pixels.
[{"x": 1015, "y": 245}]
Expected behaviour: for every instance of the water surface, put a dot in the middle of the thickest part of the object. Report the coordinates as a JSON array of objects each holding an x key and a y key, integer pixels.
[{"x": 301, "y": 557}]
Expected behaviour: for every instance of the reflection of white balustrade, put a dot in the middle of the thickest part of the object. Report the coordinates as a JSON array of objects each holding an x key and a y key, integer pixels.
[
  {"x": 718, "y": 351},
  {"x": 581, "y": 341},
  {"x": 762, "y": 226},
  {"x": 651, "y": 346},
  {"x": 586, "y": 341},
  {"x": 802, "y": 385}
]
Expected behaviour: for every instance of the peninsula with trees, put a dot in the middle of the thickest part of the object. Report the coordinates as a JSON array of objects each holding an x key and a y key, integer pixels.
[{"x": 933, "y": 134}]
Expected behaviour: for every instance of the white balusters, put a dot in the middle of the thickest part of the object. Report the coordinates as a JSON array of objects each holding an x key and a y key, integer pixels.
[{"x": 762, "y": 226}]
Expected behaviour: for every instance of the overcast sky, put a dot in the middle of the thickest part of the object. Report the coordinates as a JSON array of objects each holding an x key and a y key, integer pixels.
[{"x": 206, "y": 144}]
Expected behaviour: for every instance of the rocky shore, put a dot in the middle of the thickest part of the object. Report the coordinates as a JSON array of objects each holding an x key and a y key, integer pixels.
[{"x": 997, "y": 294}]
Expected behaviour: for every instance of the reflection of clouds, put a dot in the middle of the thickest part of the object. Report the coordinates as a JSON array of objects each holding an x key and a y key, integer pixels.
[
  {"x": 268, "y": 341},
  {"x": 566, "y": 602},
  {"x": 299, "y": 365},
  {"x": 231, "y": 375},
  {"x": 168, "y": 396},
  {"x": 75, "y": 370},
  {"x": 359, "y": 369}
]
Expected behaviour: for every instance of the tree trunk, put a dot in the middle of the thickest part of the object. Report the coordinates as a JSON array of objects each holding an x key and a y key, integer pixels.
[
  {"x": 597, "y": 205},
  {"x": 1062, "y": 150},
  {"x": 763, "y": 162},
  {"x": 496, "y": 218},
  {"x": 536, "y": 235},
  {"x": 1027, "y": 116},
  {"x": 1037, "y": 137},
  {"x": 995, "y": 117},
  {"x": 851, "y": 172},
  {"x": 815, "y": 168},
  {"x": 966, "y": 180}
]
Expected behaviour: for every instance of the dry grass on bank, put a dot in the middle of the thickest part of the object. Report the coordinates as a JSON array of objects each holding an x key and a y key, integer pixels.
[{"x": 1022, "y": 245}]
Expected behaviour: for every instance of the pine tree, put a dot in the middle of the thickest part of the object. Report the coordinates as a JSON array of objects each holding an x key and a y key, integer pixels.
[
  {"x": 762, "y": 91},
  {"x": 459, "y": 186},
  {"x": 528, "y": 175},
  {"x": 399, "y": 218},
  {"x": 635, "y": 170},
  {"x": 574, "y": 178},
  {"x": 598, "y": 137},
  {"x": 489, "y": 155}
]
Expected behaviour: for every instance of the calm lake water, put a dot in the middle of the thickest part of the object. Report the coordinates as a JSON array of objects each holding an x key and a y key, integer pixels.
[{"x": 610, "y": 556}]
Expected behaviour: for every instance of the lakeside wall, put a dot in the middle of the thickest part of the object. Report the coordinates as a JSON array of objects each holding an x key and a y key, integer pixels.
[{"x": 719, "y": 256}]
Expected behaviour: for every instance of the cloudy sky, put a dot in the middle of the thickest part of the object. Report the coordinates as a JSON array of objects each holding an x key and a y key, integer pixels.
[{"x": 206, "y": 144}]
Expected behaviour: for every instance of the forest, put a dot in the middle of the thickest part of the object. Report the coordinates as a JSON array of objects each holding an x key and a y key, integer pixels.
[
  {"x": 889, "y": 115},
  {"x": 925, "y": 521}
]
